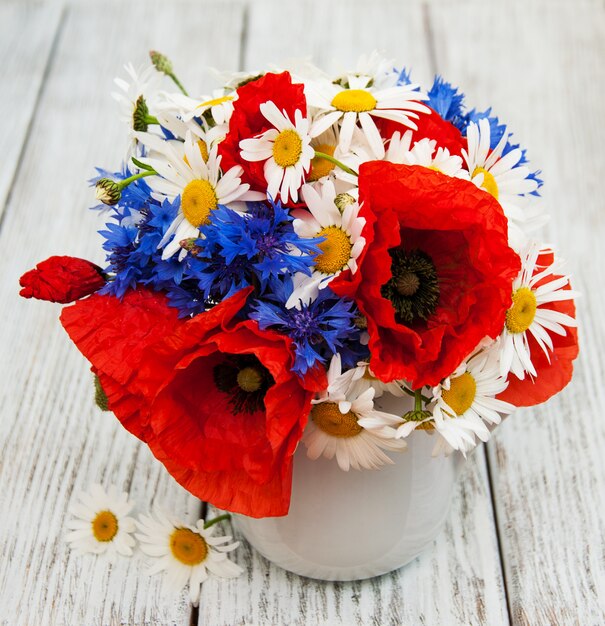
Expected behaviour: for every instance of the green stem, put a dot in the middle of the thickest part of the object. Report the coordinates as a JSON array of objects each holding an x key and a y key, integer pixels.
[
  {"x": 413, "y": 393},
  {"x": 418, "y": 400},
  {"x": 177, "y": 82},
  {"x": 151, "y": 119},
  {"x": 216, "y": 520},
  {"x": 141, "y": 165},
  {"x": 124, "y": 183},
  {"x": 336, "y": 162}
]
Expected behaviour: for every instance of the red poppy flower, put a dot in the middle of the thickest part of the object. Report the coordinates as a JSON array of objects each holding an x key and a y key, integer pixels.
[
  {"x": 430, "y": 126},
  {"x": 62, "y": 279},
  {"x": 554, "y": 374},
  {"x": 437, "y": 274},
  {"x": 247, "y": 121},
  {"x": 215, "y": 400},
  {"x": 112, "y": 334}
]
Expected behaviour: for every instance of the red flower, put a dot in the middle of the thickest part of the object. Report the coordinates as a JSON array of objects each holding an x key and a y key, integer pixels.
[
  {"x": 553, "y": 375},
  {"x": 62, "y": 279},
  {"x": 215, "y": 399},
  {"x": 247, "y": 121},
  {"x": 430, "y": 126},
  {"x": 437, "y": 274}
]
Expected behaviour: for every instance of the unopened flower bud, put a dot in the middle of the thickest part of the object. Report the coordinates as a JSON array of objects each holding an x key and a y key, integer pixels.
[
  {"x": 108, "y": 191},
  {"x": 161, "y": 62},
  {"x": 190, "y": 246},
  {"x": 139, "y": 115},
  {"x": 100, "y": 396}
]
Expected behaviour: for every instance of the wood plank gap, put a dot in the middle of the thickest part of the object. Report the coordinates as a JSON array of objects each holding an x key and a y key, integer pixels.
[
  {"x": 26, "y": 137},
  {"x": 429, "y": 37},
  {"x": 490, "y": 486},
  {"x": 243, "y": 45}
]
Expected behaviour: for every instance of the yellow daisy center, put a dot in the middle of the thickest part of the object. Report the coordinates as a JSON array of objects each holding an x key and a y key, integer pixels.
[
  {"x": 188, "y": 547},
  {"x": 459, "y": 397},
  {"x": 520, "y": 316},
  {"x": 321, "y": 167},
  {"x": 327, "y": 417},
  {"x": 249, "y": 379},
  {"x": 335, "y": 250},
  {"x": 197, "y": 201},
  {"x": 214, "y": 102},
  {"x": 489, "y": 182},
  {"x": 287, "y": 148},
  {"x": 357, "y": 100},
  {"x": 105, "y": 526}
]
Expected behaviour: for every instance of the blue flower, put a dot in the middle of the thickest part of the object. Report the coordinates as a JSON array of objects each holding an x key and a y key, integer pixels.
[
  {"x": 318, "y": 329},
  {"x": 237, "y": 250},
  {"x": 446, "y": 100}
]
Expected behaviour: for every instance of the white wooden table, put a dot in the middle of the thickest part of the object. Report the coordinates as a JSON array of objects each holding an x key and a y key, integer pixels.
[{"x": 525, "y": 541}]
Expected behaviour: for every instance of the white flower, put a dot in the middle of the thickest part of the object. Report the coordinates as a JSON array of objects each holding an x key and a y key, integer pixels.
[
  {"x": 186, "y": 553},
  {"x": 534, "y": 289},
  {"x": 341, "y": 233},
  {"x": 503, "y": 177},
  {"x": 182, "y": 170},
  {"x": 337, "y": 427},
  {"x": 423, "y": 153},
  {"x": 136, "y": 96},
  {"x": 286, "y": 150},
  {"x": 359, "y": 379},
  {"x": 101, "y": 523},
  {"x": 466, "y": 401},
  {"x": 361, "y": 103}
]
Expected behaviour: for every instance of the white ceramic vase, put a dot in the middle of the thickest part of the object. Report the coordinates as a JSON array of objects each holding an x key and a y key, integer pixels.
[{"x": 358, "y": 524}]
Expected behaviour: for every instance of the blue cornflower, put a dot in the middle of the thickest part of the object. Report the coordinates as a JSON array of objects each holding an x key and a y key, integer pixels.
[
  {"x": 446, "y": 100},
  {"x": 241, "y": 249},
  {"x": 404, "y": 77},
  {"x": 318, "y": 329},
  {"x": 496, "y": 130}
]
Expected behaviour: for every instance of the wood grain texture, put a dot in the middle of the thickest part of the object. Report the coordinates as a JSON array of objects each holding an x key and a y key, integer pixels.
[
  {"x": 547, "y": 463},
  {"x": 26, "y": 38},
  {"x": 53, "y": 442},
  {"x": 458, "y": 580}
]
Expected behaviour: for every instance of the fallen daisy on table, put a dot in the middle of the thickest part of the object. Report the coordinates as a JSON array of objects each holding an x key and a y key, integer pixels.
[
  {"x": 101, "y": 524},
  {"x": 187, "y": 553}
]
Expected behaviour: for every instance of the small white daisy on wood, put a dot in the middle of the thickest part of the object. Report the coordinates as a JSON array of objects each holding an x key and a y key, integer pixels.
[
  {"x": 186, "y": 552},
  {"x": 100, "y": 523},
  {"x": 286, "y": 150}
]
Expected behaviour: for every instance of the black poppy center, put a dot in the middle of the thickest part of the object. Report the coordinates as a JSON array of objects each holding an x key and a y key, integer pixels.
[
  {"x": 413, "y": 288},
  {"x": 245, "y": 380}
]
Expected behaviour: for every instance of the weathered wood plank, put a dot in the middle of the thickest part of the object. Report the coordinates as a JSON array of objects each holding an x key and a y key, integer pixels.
[
  {"x": 547, "y": 463},
  {"x": 52, "y": 441},
  {"x": 26, "y": 38},
  {"x": 458, "y": 580}
]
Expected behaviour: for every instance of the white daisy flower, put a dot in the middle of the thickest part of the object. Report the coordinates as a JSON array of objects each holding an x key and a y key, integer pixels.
[
  {"x": 186, "y": 553},
  {"x": 425, "y": 153},
  {"x": 501, "y": 175},
  {"x": 286, "y": 150},
  {"x": 358, "y": 380},
  {"x": 336, "y": 427},
  {"x": 340, "y": 229},
  {"x": 361, "y": 103},
  {"x": 183, "y": 170},
  {"x": 101, "y": 524},
  {"x": 534, "y": 289},
  {"x": 466, "y": 401},
  {"x": 136, "y": 96}
]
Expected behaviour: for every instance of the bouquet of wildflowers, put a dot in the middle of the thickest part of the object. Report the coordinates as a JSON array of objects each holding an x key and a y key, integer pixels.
[{"x": 291, "y": 252}]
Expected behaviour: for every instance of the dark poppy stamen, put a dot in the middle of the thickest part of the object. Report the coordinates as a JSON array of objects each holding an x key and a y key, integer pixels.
[
  {"x": 413, "y": 287},
  {"x": 245, "y": 380}
]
